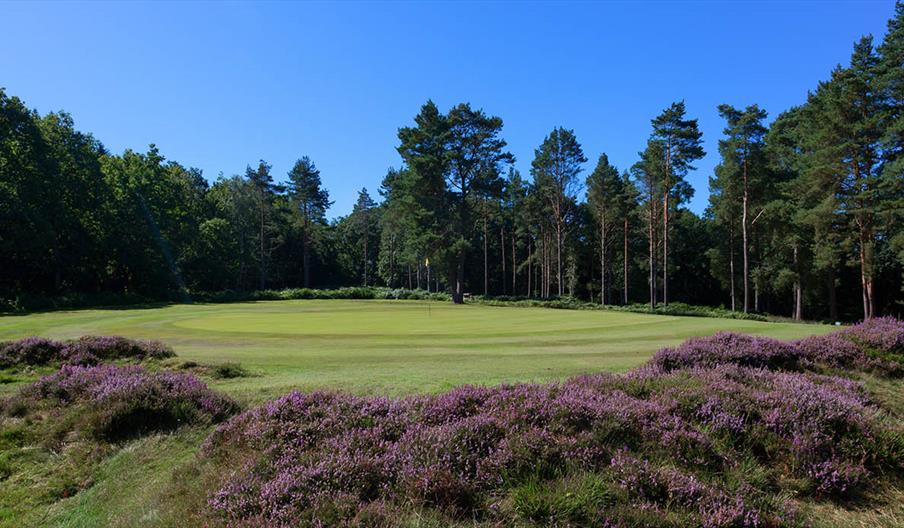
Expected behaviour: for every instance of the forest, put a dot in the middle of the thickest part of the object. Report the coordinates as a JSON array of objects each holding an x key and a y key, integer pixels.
[{"x": 805, "y": 217}]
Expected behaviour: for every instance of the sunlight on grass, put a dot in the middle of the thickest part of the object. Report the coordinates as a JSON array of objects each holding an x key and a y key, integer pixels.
[{"x": 392, "y": 347}]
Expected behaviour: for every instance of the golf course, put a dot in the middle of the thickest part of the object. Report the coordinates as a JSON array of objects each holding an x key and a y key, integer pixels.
[{"x": 391, "y": 347}]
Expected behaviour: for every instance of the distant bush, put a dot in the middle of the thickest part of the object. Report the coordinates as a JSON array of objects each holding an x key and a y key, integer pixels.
[
  {"x": 570, "y": 303},
  {"x": 19, "y": 302},
  {"x": 710, "y": 432},
  {"x": 359, "y": 292},
  {"x": 113, "y": 403},
  {"x": 87, "y": 350}
]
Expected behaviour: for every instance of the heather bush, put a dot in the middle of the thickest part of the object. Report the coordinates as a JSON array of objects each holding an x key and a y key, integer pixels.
[
  {"x": 30, "y": 351},
  {"x": 725, "y": 348},
  {"x": 87, "y": 350},
  {"x": 664, "y": 438},
  {"x": 876, "y": 345},
  {"x": 107, "y": 348},
  {"x": 111, "y": 403},
  {"x": 882, "y": 337}
]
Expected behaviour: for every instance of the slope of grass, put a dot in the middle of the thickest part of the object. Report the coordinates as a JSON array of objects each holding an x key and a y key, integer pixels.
[{"x": 390, "y": 347}]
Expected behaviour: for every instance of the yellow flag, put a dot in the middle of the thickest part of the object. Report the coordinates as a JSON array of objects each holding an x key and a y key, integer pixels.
[{"x": 427, "y": 261}]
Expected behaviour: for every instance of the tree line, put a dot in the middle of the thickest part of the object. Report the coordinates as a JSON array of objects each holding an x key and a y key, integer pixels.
[{"x": 804, "y": 219}]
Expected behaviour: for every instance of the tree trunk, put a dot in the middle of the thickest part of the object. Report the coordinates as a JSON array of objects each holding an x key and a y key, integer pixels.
[
  {"x": 665, "y": 224},
  {"x": 866, "y": 280},
  {"x": 502, "y": 252},
  {"x": 756, "y": 297},
  {"x": 744, "y": 239},
  {"x": 625, "y": 270},
  {"x": 833, "y": 297},
  {"x": 665, "y": 251},
  {"x": 652, "y": 239},
  {"x": 602, "y": 261},
  {"x": 514, "y": 265},
  {"x": 486, "y": 273},
  {"x": 530, "y": 267},
  {"x": 392, "y": 260},
  {"x": 458, "y": 295},
  {"x": 559, "y": 283},
  {"x": 263, "y": 280},
  {"x": 306, "y": 253},
  {"x": 544, "y": 264},
  {"x": 417, "y": 272},
  {"x": 798, "y": 294},
  {"x": 731, "y": 265}
]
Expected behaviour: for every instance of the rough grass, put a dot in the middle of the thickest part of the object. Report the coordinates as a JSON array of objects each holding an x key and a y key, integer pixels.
[{"x": 390, "y": 347}]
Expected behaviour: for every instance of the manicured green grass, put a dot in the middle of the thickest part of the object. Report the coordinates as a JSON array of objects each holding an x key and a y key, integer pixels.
[{"x": 392, "y": 347}]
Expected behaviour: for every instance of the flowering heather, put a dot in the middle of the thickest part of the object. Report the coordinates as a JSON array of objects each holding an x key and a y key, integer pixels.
[
  {"x": 112, "y": 402},
  {"x": 652, "y": 484},
  {"x": 87, "y": 350},
  {"x": 107, "y": 348},
  {"x": 876, "y": 345},
  {"x": 728, "y": 348},
  {"x": 884, "y": 335},
  {"x": 462, "y": 451}
]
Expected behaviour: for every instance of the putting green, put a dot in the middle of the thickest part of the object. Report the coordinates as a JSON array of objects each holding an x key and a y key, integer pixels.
[{"x": 392, "y": 347}]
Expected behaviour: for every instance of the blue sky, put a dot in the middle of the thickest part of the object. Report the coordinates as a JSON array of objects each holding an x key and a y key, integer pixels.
[{"x": 220, "y": 85}]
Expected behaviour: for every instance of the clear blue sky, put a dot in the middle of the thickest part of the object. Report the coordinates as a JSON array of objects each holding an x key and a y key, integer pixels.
[{"x": 220, "y": 85}]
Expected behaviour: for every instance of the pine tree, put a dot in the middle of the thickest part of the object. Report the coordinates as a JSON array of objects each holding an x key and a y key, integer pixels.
[
  {"x": 555, "y": 168},
  {"x": 311, "y": 201},
  {"x": 604, "y": 196},
  {"x": 680, "y": 142},
  {"x": 742, "y": 161},
  {"x": 364, "y": 225},
  {"x": 265, "y": 191}
]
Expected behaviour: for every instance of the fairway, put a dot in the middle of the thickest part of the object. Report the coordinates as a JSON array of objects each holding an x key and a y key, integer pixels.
[{"x": 392, "y": 347}]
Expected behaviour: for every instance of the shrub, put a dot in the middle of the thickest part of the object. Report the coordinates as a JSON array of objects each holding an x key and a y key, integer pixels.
[
  {"x": 87, "y": 350},
  {"x": 30, "y": 351},
  {"x": 882, "y": 337},
  {"x": 838, "y": 351},
  {"x": 876, "y": 346},
  {"x": 700, "y": 435},
  {"x": 727, "y": 348},
  {"x": 107, "y": 348},
  {"x": 572, "y": 303},
  {"x": 456, "y": 452},
  {"x": 357, "y": 292},
  {"x": 113, "y": 403}
]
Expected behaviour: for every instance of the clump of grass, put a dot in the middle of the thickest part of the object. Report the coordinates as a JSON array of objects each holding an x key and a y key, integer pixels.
[{"x": 229, "y": 370}]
